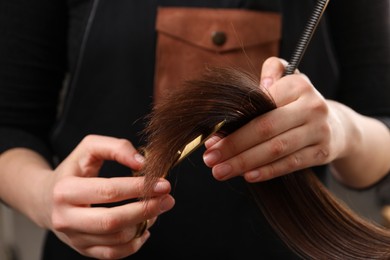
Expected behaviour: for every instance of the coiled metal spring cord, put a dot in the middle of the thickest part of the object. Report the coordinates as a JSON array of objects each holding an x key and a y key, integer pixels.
[{"x": 306, "y": 36}]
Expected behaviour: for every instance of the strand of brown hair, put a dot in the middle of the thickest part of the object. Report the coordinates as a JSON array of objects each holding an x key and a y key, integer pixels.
[{"x": 306, "y": 215}]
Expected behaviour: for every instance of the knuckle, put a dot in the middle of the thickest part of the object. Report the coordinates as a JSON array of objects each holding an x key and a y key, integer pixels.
[
  {"x": 294, "y": 161},
  {"x": 303, "y": 81},
  {"x": 263, "y": 127},
  {"x": 119, "y": 252},
  {"x": 277, "y": 147},
  {"x": 123, "y": 144},
  {"x": 120, "y": 146},
  {"x": 273, "y": 62},
  {"x": 319, "y": 106},
  {"x": 302, "y": 84},
  {"x": 59, "y": 194},
  {"x": 58, "y": 223},
  {"x": 124, "y": 237},
  {"x": 132, "y": 248},
  {"x": 230, "y": 144},
  {"x": 321, "y": 154},
  {"x": 325, "y": 130},
  {"x": 241, "y": 163},
  {"x": 270, "y": 172},
  {"x": 88, "y": 138},
  {"x": 108, "y": 192},
  {"x": 110, "y": 253},
  {"x": 108, "y": 223}
]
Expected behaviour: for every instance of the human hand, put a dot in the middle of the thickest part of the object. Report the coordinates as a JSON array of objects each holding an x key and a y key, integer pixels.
[
  {"x": 102, "y": 232},
  {"x": 304, "y": 130}
]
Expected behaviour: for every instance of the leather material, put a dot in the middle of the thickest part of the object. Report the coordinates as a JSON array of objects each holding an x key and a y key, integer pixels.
[{"x": 187, "y": 44}]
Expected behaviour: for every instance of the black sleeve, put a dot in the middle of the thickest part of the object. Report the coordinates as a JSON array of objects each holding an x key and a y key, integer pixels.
[
  {"x": 361, "y": 31},
  {"x": 32, "y": 69}
]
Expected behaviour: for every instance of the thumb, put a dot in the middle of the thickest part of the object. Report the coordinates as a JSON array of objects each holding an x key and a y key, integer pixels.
[{"x": 272, "y": 70}]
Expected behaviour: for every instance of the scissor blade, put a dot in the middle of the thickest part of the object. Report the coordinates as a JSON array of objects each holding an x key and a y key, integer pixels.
[{"x": 197, "y": 142}]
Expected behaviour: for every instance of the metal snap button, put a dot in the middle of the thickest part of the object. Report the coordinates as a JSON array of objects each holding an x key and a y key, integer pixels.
[{"x": 218, "y": 38}]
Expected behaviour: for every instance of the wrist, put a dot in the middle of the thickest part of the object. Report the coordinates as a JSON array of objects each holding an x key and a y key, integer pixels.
[{"x": 23, "y": 175}]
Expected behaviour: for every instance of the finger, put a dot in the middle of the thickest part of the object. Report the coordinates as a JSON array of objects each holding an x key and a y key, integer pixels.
[
  {"x": 290, "y": 88},
  {"x": 307, "y": 157},
  {"x": 255, "y": 132},
  {"x": 102, "y": 220},
  {"x": 143, "y": 226},
  {"x": 212, "y": 140},
  {"x": 85, "y": 240},
  {"x": 272, "y": 70},
  {"x": 265, "y": 153},
  {"x": 94, "y": 149},
  {"x": 118, "y": 251},
  {"x": 87, "y": 191},
  {"x": 291, "y": 101},
  {"x": 125, "y": 235}
]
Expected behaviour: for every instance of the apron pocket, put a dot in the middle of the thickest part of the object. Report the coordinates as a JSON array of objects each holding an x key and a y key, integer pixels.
[{"x": 190, "y": 39}]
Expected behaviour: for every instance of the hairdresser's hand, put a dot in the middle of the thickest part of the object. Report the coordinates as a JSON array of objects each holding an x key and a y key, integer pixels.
[
  {"x": 303, "y": 131},
  {"x": 102, "y": 232}
]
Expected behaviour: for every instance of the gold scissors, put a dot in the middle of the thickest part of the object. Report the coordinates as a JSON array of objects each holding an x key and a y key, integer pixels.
[{"x": 197, "y": 142}]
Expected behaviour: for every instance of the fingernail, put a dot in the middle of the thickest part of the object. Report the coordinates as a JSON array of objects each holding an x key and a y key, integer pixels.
[
  {"x": 252, "y": 176},
  {"x": 212, "y": 157},
  {"x": 222, "y": 171},
  {"x": 211, "y": 141},
  {"x": 166, "y": 203},
  {"x": 266, "y": 82},
  {"x": 139, "y": 158},
  {"x": 161, "y": 187}
]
